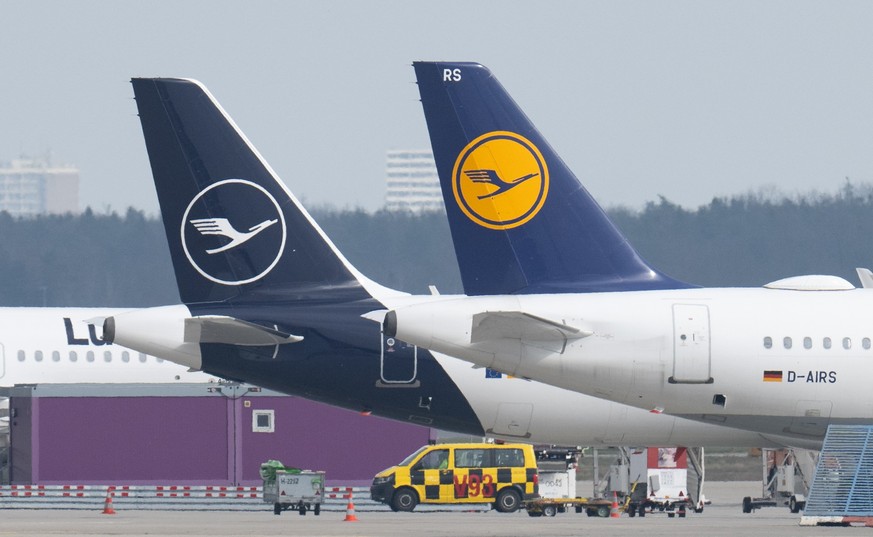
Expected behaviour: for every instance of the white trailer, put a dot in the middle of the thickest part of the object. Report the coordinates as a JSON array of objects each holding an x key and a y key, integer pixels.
[{"x": 302, "y": 491}]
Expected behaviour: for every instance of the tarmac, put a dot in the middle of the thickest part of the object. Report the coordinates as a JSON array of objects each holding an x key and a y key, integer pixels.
[{"x": 723, "y": 517}]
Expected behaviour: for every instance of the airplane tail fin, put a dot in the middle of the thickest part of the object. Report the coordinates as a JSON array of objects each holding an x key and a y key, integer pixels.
[
  {"x": 234, "y": 229},
  {"x": 520, "y": 220}
]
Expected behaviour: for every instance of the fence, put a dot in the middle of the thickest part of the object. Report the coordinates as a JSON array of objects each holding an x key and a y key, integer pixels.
[
  {"x": 194, "y": 498},
  {"x": 185, "y": 498}
]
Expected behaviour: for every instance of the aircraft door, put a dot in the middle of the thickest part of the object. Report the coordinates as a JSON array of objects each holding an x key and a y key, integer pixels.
[
  {"x": 398, "y": 364},
  {"x": 691, "y": 346},
  {"x": 811, "y": 418},
  {"x": 513, "y": 419}
]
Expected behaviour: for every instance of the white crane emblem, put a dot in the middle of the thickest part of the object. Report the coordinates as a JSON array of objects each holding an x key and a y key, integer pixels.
[{"x": 223, "y": 227}]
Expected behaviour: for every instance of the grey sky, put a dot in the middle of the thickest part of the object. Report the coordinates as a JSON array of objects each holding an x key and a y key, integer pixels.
[{"x": 686, "y": 99}]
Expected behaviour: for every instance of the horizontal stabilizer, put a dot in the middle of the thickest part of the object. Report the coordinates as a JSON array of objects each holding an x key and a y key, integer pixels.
[
  {"x": 492, "y": 325},
  {"x": 375, "y": 315},
  {"x": 222, "y": 329}
]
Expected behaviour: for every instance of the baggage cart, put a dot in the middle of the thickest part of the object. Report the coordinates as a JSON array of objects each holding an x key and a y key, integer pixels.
[
  {"x": 549, "y": 507},
  {"x": 301, "y": 491}
]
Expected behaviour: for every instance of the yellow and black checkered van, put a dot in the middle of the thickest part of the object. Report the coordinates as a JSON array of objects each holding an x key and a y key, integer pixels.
[{"x": 501, "y": 474}]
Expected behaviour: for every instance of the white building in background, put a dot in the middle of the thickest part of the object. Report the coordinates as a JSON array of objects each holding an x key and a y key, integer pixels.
[
  {"x": 412, "y": 181},
  {"x": 30, "y": 187}
]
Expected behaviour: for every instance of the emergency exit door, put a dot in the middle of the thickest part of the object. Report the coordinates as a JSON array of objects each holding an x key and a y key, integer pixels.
[{"x": 691, "y": 345}]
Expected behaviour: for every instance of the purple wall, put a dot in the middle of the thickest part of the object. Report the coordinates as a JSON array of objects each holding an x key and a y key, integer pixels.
[
  {"x": 198, "y": 439},
  {"x": 151, "y": 439}
]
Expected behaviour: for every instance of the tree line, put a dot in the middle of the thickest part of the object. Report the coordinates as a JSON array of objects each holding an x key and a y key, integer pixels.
[{"x": 747, "y": 240}]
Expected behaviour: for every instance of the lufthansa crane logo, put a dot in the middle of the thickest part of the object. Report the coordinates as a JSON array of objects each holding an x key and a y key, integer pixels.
[
  {"x": 233, "y": 232},
  {"x": 223, "y": 227},
  {"x": 500, "y": 180}
]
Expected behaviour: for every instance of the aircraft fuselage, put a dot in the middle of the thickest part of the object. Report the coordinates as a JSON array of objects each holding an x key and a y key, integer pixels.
[{"x": 776, "y": 361}]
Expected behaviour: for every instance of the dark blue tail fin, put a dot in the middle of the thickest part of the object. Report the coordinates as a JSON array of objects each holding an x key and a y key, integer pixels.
[
  {"x": 233, "y": 228},
  {"x": 520, "y": 220}
]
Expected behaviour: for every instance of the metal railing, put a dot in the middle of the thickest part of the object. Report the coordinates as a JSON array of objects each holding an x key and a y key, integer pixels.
[
  {"x": 843, "y": 481},
  {"x": 170, "y": 497},
  {"x": 184, "y": 498}
]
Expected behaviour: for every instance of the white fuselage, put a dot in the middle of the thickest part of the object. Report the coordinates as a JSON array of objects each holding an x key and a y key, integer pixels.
[
  {"x": 775, "y": 361},
  {"x": 65, "y": 345},
  {"x": 509, "y": 408}
]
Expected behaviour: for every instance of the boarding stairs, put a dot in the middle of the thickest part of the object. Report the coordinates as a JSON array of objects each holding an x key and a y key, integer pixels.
[{"x": 842, "y": 486}]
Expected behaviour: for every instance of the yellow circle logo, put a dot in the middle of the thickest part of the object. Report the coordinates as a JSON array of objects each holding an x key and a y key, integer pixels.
[{"x": 500, "y": 180}]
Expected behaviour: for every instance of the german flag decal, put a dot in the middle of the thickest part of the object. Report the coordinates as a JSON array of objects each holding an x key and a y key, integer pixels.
[{"x": 772, "y": 376}]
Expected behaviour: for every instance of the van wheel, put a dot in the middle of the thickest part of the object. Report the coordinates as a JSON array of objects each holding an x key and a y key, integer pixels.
[
  {"x": 508, "y": 501},
  {"x": 404, "y": 500}
]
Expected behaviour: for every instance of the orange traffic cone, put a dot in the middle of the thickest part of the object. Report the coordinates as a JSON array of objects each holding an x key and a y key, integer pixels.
[
  {"x": 107, "y": 504},
  {"x": 613, "y": 511},
  {"x": 350, "y": 511}
]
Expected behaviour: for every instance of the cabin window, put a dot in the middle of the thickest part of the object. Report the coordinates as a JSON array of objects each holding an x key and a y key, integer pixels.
[
  {"x": 866, "y": 343},
  {"x": 826, "y": 343},
  {"x": 786, "y": 342},
  {"x": 90, "y": 356},
  {"x": 508, "y": 458},
  {"x": 433, "y": 460},
  {"x": 73, "y": 356},
  {"x": 807, "y": 343},
  {"x": 142, "y": 358},
  {"x": 56, "y": 356},
  {"x": 768, "y": 342},
  {"x": 125, "y": 356},
  {"x": 37, "y": 356},
  {"x": 263, "y": 421},
  {"x": 470, "y": 458},
  {"x": 21, "y": 356},
  {"x": 847, "y": 343},
  {"x": 107, "y": 356}
]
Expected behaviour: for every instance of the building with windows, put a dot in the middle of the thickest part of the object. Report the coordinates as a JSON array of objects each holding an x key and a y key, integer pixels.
[
  {"x": 412, "y": 183},
  {"x": 29, "y": 187}
]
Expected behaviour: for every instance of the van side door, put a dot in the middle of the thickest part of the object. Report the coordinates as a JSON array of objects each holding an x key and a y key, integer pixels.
[
  {"x": 474, "y": 476},
  {"x": 428, "y": 475}
]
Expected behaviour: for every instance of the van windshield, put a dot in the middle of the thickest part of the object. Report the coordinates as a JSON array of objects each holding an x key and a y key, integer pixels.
[{"x": 410, "y": 458}]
